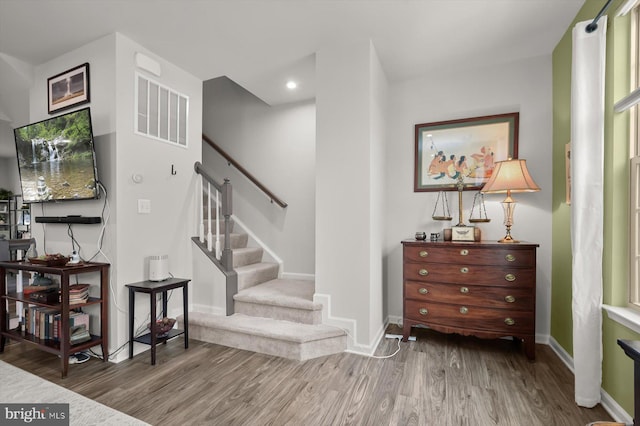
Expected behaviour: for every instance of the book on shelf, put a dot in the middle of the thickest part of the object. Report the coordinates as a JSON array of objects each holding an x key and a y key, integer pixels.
[
  {"x": 44, "y": 323},
  {"x": 28, "y": 289},
  {"x": 78, "y": 293},
  {"x": 79, "y": 334},
  {"x": 45, "y": 296}
]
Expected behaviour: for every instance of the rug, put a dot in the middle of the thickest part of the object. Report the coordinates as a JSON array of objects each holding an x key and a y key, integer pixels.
[{"x": 19, "y": 386}]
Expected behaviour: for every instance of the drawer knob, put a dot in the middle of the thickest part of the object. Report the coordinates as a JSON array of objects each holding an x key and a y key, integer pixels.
[
  {"x": 464, "y": 252},
  {"x": 464, "y": 290},
  {"x": 423, "y": 253},
  {"x": 464, "y": 310},
  {"x": 423, "y": 311},
  {"x": 423, "y": 290},
  {"x": 423, "y": 272},
  {"x": 510, "y": 258},
  {"x": 464, "y": 270},
  {"x": 510, "y": 277},
  {"x": 509, "y": 321},
  {"x": 509, "y": 299}
]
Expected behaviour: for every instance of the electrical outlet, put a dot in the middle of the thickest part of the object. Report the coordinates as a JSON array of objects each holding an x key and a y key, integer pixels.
[{"x": 399, "y": 336}]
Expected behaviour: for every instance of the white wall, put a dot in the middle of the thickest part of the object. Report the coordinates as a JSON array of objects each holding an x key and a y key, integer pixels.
[
  {"x": 377, "y": 176},
  {"x": 129, "y": 237},
  {"x": 170, "y": 224},
  {"x": 53, "y": 238},
  {"x": 524, "y": 87},
  {"x": 350, "y": 98},
  {"x": 277, "y": 146}
]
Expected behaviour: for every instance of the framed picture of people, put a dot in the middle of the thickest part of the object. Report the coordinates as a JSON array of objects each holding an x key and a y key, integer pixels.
[{"x": 466, "y": 150}]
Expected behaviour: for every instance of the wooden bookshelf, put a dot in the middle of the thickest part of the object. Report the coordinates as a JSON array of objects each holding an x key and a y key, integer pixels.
[{"x": 63, "y": 347}]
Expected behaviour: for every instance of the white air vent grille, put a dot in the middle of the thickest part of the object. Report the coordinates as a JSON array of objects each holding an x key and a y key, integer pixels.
[{"x": 161, "y": 113}]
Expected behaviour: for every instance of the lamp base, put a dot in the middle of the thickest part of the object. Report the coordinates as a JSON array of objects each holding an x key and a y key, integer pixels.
[{"x": 508, "y": 238}]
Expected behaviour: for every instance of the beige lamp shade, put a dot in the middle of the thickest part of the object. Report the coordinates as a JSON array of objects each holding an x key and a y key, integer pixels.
[{"x": 510, "y": 176}]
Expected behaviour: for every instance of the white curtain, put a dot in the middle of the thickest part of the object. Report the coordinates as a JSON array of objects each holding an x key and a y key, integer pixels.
[{"x": 587, "y": 152}]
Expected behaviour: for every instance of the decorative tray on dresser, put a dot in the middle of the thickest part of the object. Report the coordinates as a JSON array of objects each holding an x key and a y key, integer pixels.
[{"x": 483, "y": 289}]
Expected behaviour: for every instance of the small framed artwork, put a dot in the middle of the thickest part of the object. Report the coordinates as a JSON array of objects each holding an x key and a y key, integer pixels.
[
  {"x": 68, "y": 89},
  {"x": 463, "y": 233},
  {"x": 465, "y": 150}
]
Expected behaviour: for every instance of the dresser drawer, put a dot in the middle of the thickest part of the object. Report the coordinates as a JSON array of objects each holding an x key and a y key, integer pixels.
[
  {"x": 470, "y": 317},
  {"x": 471, "y": 255},
  {"x": 469, "y": 274},
  {"x": 521, "y": 299}
]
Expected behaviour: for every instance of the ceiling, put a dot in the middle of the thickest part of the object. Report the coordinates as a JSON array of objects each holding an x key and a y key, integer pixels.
[{"x": 260, "y": 44}]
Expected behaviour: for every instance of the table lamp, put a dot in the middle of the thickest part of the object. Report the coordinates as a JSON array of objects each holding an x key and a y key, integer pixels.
[{"x": 510, "y": 176}]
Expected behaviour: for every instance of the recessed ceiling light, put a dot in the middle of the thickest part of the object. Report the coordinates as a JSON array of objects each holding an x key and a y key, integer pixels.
[{"x": 291, "y": 85}]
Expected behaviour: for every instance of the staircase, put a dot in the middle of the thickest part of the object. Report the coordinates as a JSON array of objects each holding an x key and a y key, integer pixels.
[{"x": 274, "y": 316}]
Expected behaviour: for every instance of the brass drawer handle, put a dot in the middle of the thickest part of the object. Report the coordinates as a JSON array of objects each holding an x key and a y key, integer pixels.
[
  {"x": 423, "y": 290},
  {"x": 464, "y": 270},
  {"x": 509, "y": 299},
  {"x": 509, "y": 321},
  {"x": 423, "y": 311},
  {"x": 464, "y": 252},
  {"x": 510, "y": 258},
  {"x": 510, "y": 277},
  {"x": 423, "y": 272},
  {"x": 423, "y": 253},
  {"x": 464, "y": 310},
  {"x": 464, "y": 290}
]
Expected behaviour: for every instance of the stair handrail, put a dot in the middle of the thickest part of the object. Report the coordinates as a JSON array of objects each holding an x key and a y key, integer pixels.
[
  {"x": 224, "y": 207},
  {"x": 253, "y": 179}
]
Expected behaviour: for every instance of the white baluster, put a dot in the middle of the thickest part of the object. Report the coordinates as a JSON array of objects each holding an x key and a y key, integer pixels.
[
  {"x": 209, "y": 235},
  {"x": 200, "y": 205},
  {"x": 218, "y": 249}
]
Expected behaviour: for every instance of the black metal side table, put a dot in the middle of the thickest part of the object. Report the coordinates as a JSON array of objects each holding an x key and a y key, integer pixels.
[{"x": 153, "y": 288}]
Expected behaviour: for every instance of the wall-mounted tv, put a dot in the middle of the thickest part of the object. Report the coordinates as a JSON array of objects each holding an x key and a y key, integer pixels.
[{"x": 56, "y": 158}]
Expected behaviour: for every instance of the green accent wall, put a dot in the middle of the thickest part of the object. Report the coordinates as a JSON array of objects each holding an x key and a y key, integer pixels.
[{"x": 617, "y": 368}]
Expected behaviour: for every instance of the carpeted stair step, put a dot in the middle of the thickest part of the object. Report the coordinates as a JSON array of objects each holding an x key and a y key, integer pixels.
[
  {"x": 236, "y": 240},
  {"x": 246, "y": 256},
  {"x": 266, "y": 335},
  {"x": 256, "y": 273},
  {"x": 213, "y": 226},
  {"x": 282, "y": 299}
]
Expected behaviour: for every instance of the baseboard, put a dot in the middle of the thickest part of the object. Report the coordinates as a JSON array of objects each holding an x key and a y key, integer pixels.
[
  {"x": 349, "y": 325},
  {"x": 561, "y": 353},
  {"x": 394, "y": 319},
  {"x": 298, "y": 276},
  {"x": 612, "y": 407},
  {"x": 206, "y": 309}
]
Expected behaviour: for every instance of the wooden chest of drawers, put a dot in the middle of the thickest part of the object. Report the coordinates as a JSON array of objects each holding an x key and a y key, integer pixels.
[{"x": 483, "y": 289}]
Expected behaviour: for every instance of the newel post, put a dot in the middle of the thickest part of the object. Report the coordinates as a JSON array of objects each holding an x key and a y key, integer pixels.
[{"x": 227, "y": 211}]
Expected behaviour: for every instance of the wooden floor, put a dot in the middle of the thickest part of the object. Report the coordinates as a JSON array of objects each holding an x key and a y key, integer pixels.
[{"x": 437, "y": 380}]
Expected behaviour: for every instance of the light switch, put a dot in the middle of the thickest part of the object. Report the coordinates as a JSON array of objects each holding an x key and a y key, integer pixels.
[{"x": 144, "y": 206}]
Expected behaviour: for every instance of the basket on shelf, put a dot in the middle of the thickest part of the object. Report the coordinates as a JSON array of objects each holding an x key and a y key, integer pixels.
[
  {"x": 49, "y": 260},
  {"x": 163, "y": 326}
]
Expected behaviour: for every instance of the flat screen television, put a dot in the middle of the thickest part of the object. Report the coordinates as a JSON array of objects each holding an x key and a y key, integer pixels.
[{"x": 56, "y": 158}]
